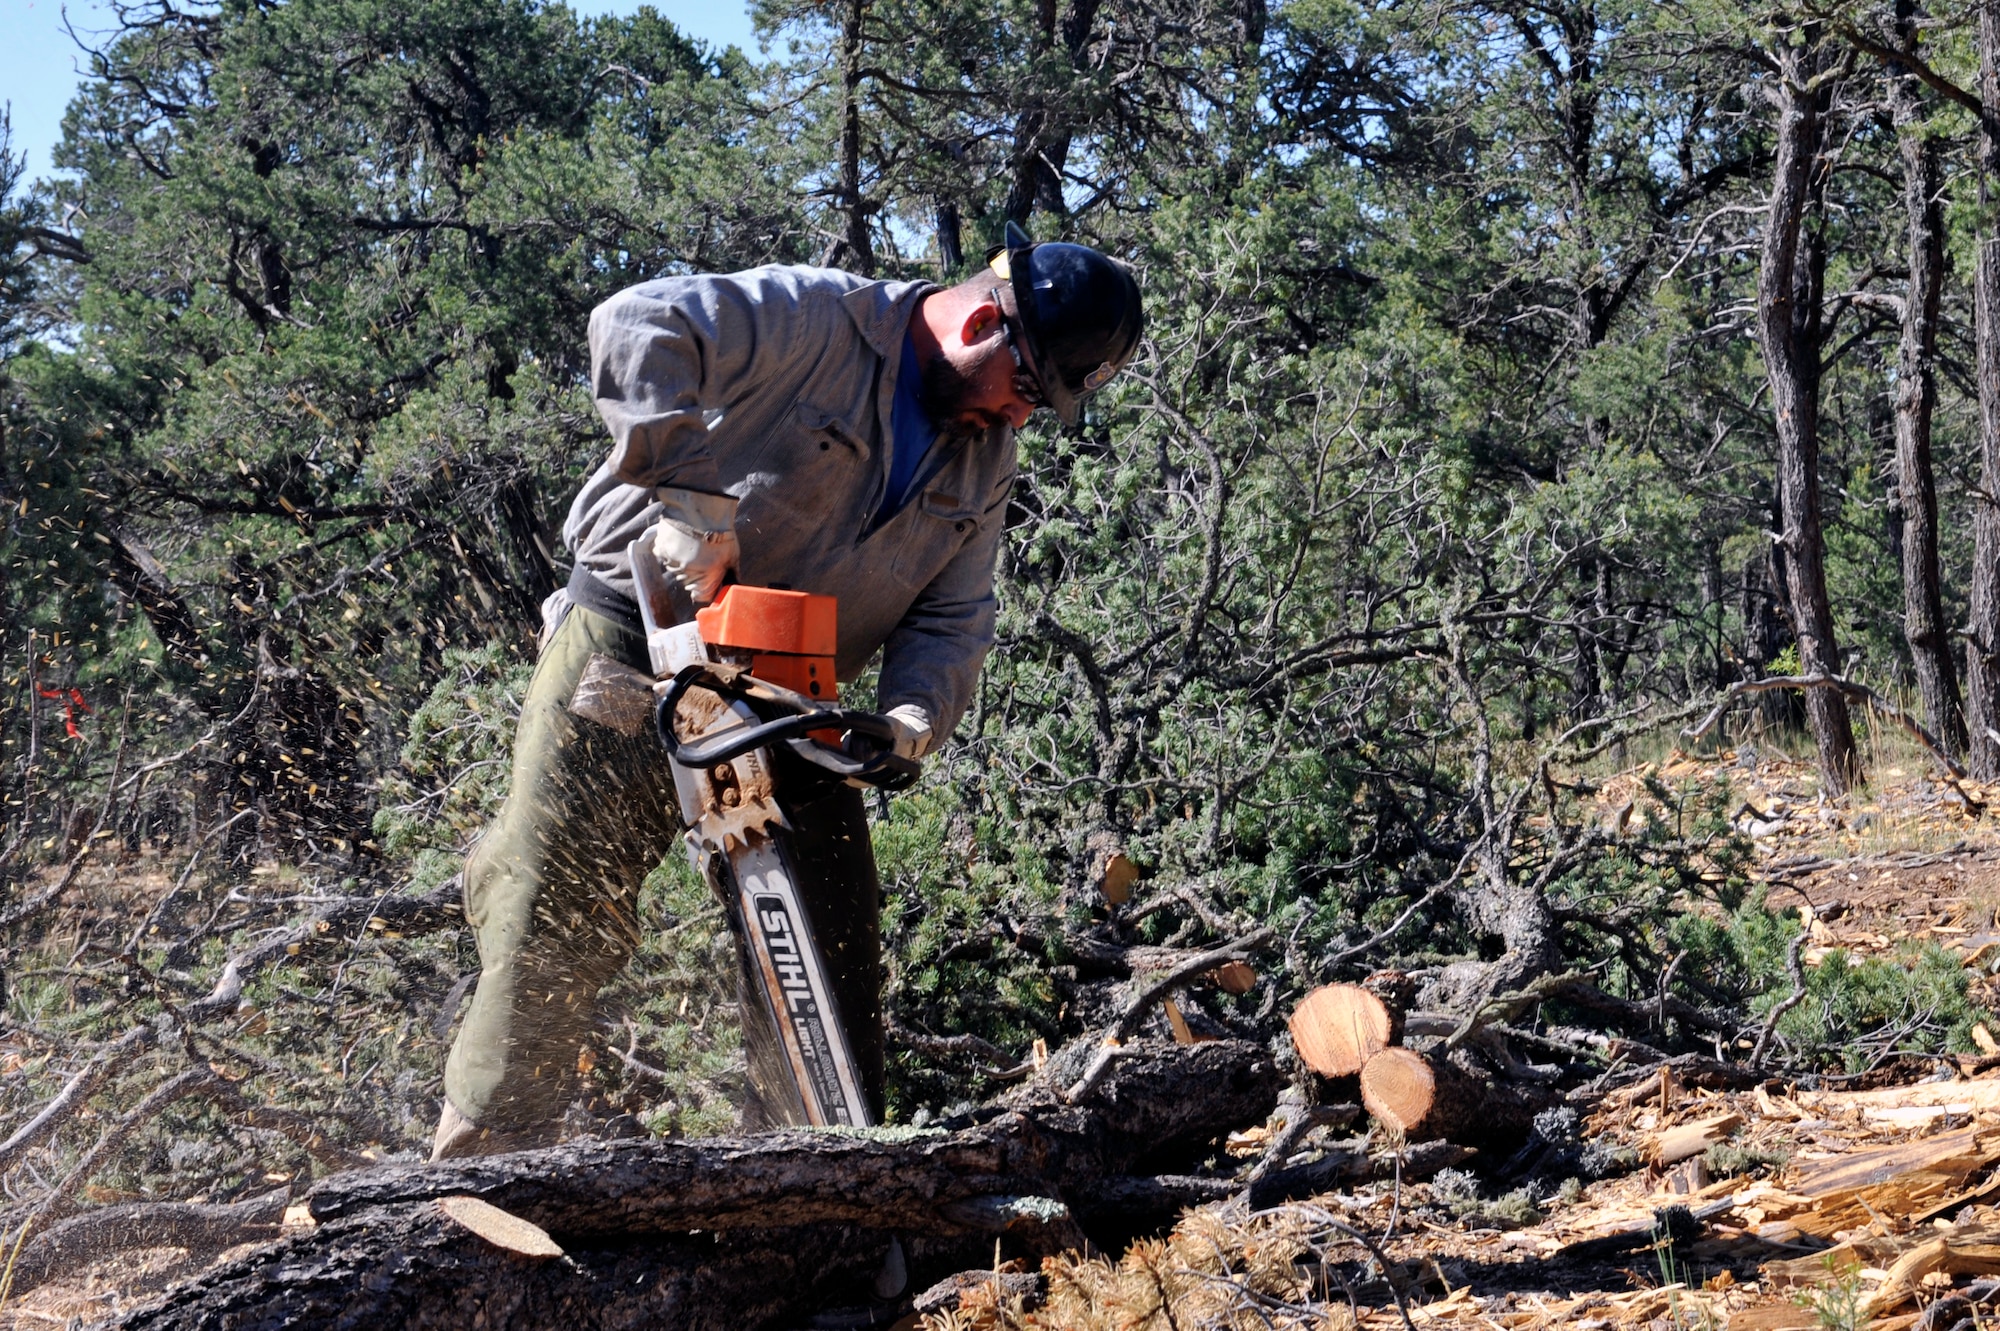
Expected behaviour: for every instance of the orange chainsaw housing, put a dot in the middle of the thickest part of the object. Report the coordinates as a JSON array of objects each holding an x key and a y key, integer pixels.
[{"x": 788, "y": 637}]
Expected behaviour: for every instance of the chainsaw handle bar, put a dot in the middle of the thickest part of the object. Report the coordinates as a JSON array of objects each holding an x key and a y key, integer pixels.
[{"x": 786, "y": 717}]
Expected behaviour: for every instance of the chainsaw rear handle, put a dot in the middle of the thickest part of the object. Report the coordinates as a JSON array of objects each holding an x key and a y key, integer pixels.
[{"x": 785, "y": 717}]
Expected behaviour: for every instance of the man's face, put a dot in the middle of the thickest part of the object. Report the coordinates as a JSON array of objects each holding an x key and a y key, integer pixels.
[{"x": 970, "y": 384}]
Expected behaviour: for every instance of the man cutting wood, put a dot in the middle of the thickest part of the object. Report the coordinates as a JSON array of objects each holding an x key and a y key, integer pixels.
[{"x": 796, "y": 427}]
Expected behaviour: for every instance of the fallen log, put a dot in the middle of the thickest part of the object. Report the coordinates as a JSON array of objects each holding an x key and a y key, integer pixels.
[
  {"x": 1916, "y": 1179},
  {"x": 1950, "y": 1256},
  {"x": 735, "y": 1232},
  {"x": 411, "y": 1266},
  {"x": 200, "y": 1230},
  {"x": 768, "y": 1181}
]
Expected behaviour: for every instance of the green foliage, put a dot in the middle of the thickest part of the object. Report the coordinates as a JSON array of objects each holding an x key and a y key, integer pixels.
[
  {"x": 675, "y": 1006},
  {"x": 17, "y": 215},
  {"x": 1854, "y": 1013},
  {"x": 326, "y": 386},
  {"x": 1513, "y": 1210},
  {"x": 1858, "y": 1012},
  {"x": 1740, "y": 955},
  {"x": 948, "y": 879},
  {"x": 456, "y": 763},
  {"x": 1836, "y": 1304}
]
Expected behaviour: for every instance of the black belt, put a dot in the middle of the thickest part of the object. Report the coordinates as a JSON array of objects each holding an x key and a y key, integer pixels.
[{"x": 601, "y": 598}]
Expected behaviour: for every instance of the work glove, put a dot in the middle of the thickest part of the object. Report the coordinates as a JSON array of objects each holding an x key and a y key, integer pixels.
[
  {"x": 696, "y": 540},
  {"x": 912, "y": 725}
]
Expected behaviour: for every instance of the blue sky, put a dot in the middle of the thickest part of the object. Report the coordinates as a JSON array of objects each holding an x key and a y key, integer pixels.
[{"x": 39, "y": 61}]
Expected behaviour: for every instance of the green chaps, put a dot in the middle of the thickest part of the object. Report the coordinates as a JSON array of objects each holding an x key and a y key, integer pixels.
[{"x": 552, "y": 889}]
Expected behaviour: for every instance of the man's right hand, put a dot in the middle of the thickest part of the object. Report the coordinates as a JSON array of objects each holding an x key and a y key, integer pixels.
[
  {"x": 912, "y": 725},
  {"x": 696, "y": 540}
]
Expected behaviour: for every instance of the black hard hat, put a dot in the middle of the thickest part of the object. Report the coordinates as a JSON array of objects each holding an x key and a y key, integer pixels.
[{"x": 1079, "y": 313}]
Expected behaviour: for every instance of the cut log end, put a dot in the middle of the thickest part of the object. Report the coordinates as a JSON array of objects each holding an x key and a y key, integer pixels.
[
  {"x": 1236, "y": 977},
  {"x": 1398, "y": 1088},
  {"x": 1115, "y": 877},
  {"x": 1338, "y": 1027},
  {"x": 500, "y": 1228}
]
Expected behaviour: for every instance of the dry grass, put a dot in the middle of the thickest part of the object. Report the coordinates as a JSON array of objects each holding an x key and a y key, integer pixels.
[{"x": 1212, "y": 1272}]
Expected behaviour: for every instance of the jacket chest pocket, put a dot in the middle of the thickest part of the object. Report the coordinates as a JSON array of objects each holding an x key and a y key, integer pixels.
[
  {"x": 939, "y": 523},
  {"x": 813, "y": 463},
  {"x": 812, "y": 446},
  {"x": 830, "y": 430},
  {"x": 802, "y": 499}
]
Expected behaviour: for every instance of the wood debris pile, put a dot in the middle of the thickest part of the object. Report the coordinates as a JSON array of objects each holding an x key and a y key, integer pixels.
[
  {"x": 1801, "y": 1203},
  {"x": 1884, "y": 1200}
]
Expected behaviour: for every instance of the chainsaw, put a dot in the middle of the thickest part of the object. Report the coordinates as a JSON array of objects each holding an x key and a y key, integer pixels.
[{"x": 747, "y": 687}]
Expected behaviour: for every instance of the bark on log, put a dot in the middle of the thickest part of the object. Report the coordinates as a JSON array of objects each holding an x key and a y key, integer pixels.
[
  {"x": 410, "y": 1266},
  {"x": 1398, "y": 992},
  {"x": 736, "y": 1232},
  {"x": 774, "y": 1180}
]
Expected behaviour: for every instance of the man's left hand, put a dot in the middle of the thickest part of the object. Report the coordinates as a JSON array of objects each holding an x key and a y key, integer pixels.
[{"x": 696, "y": 540}]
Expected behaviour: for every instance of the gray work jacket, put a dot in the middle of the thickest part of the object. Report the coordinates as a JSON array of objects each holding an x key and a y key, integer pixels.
[{"x": 774, "y": 385}]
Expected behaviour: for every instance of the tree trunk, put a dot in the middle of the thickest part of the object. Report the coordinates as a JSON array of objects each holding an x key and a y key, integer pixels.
[
  {"x": 861, "y": 251},
  {"x": 1788, "y": 316},
  {"x": 951, "y": 246},
  {"x": 1916, "y": 398},
  {"x": 1041, "y": 134},
  {"x": 1982, "y": 669}
]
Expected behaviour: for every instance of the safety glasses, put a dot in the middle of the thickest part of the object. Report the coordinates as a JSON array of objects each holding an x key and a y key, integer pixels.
[{"x": 1026, "y": 386}]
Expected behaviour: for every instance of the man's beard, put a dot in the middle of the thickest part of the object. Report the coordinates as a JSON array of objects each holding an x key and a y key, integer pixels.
[{"x": 945, "y": 392}]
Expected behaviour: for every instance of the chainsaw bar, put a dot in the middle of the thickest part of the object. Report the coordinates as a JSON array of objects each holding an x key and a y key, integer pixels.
[{"x": 795, "y": 984}]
